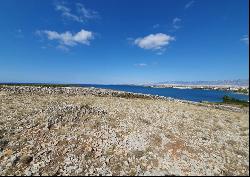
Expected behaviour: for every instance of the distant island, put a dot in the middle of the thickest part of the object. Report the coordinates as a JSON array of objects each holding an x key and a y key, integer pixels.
[
  {"x": 239, "y": 85},
  {"x": 238, "y": 82}
]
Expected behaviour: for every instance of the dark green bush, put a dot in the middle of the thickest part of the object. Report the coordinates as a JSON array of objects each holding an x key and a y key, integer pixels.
[{"x": 230, "y": 100}]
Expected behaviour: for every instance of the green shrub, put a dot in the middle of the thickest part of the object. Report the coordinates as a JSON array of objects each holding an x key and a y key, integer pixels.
[{"x": 229, "y": 100}]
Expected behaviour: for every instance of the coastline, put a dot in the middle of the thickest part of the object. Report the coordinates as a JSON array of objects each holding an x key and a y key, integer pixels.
[
  {"x": 75, "y": 90},
  {"x": 233, "y": 88}
]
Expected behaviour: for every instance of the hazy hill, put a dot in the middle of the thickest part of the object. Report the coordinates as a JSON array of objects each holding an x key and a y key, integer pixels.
[{"x": 239, "y": 82}]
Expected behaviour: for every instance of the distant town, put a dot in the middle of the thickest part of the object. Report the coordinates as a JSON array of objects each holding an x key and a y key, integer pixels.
[{"x": 239, "y": 86}]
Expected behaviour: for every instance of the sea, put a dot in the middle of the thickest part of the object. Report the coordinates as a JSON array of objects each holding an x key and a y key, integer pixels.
[{"x": 196, "y": 95}]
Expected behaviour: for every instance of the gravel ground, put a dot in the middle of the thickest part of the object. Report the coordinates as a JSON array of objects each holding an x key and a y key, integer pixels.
[{"x": 86, "y": 131}]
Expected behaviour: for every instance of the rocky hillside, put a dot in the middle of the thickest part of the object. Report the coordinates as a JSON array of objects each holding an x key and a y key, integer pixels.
[{"x": 86, "y": 131}]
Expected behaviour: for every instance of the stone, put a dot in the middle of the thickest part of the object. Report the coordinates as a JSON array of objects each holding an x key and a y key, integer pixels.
[{"x": 26, "y": 159}]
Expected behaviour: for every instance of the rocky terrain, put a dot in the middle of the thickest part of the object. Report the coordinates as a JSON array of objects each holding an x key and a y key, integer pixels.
[{"x": 87, "y": 131}]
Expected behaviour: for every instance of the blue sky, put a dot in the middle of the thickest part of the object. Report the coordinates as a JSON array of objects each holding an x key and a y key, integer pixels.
[{"x": 125, "y": 41}]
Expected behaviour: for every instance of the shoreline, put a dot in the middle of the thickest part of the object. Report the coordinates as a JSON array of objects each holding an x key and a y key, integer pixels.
[
  {"x": 111, "y": 93},
  {"x": 244, "y": 90}
]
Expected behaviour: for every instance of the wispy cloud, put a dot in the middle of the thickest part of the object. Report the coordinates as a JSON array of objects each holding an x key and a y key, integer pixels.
[
  {"x": 156, "y": 42},
  {"x": 245, "y": 39},
  {"x": 80, "y": 14},
  {"x": 140, "y": 64},
  {"x": 63, "y": 48},
  {"x": 86, "y": 13},
  {"x": 176, "y": 23},
  {"x": 156, "y": 26},
  {"x": 189, "y": 4},
  {"x": 67, "y": 39},
  {"x": 19, "y": 33}
]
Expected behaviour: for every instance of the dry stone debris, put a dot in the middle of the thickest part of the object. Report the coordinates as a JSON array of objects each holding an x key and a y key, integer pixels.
[{"x": 89, "y": 131}]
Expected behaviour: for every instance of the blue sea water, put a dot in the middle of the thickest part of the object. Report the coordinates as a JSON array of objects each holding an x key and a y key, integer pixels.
[{"x": 184, "y": 94}]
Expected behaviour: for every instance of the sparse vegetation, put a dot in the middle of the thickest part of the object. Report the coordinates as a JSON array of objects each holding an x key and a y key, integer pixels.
[
  {"x": 230, "y": 100},
  {"x": 243, "y": 90}
]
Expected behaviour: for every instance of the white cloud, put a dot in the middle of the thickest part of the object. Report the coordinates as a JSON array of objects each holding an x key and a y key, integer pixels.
[
  {"x": 176, "y": 19},
  {"x": 140, "y": 64},
  {"x": 176, "y": 22},
  {"x": 154, "y": 42},
  {"x": 245, "y": 39},
  {"x": 189, "y": 4},
  {"x": 66, "y": 13},
  {"x": 80, "y": 15},
  {"x": 68, "y": 39}
]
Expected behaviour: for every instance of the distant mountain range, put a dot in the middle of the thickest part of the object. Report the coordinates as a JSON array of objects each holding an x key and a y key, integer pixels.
[{"x": 239, "y": 82}]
